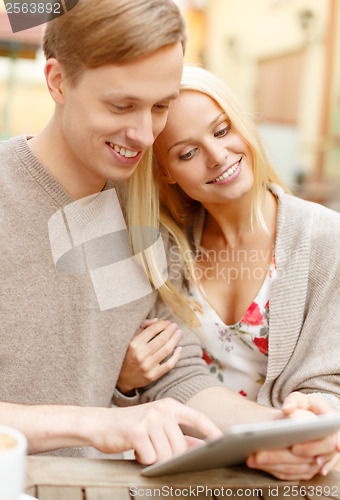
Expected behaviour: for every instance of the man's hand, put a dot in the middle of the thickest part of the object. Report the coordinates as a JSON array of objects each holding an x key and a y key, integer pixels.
[
  {"x": 151, "y": 429},
  {"x": 143, "y": 361}
]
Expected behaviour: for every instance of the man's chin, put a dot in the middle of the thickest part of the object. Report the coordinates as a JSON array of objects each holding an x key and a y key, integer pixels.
[{"x": 122, "y": 174}]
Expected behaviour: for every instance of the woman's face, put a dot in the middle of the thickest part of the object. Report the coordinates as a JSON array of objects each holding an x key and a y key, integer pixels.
[{"x": 201, "y": 152}]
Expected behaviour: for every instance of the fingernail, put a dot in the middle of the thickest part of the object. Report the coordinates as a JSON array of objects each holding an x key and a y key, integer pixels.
[
  {"x": 174, "y": 325},
  {"x": 262, "y": 458},
  {"x": 324, "y": 471},
  {"x": 320, "y": 460},
  {"x": 287, "y": 406},
  {"x": 178, "y": 332}
]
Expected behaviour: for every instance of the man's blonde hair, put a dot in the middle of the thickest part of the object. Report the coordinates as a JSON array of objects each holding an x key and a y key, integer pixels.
[{"x": 99, "y": 32}]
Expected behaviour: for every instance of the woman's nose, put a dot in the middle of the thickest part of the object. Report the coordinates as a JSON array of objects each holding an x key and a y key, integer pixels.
[{"x": 216, "y": 155}]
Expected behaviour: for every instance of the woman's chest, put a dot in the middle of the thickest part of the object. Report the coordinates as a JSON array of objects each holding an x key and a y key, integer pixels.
[{"x": 231, "y": 285}]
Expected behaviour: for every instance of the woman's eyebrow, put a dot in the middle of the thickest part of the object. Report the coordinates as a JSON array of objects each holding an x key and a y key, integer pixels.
[
  {"x": 189, "y": 139},
  {"x": 183, "y": 141}
]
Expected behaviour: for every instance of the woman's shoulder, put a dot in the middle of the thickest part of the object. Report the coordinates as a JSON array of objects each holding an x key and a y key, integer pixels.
[
  {"x": 302, "y": 222},
  {"x": 299, "y": 210}
]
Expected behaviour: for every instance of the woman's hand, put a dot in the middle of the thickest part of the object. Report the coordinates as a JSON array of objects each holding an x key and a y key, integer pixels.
[
  {"x": 144, "y": 361},
  {"x": 326, "y": 450},
  {"x": 302, "y": 461}
]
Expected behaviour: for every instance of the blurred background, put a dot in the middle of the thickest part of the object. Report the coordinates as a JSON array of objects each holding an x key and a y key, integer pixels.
[{"x": 281, "y": 58}]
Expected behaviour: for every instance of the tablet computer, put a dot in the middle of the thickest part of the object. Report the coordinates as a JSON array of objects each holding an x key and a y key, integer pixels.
[{"x": 240, "y": 441}]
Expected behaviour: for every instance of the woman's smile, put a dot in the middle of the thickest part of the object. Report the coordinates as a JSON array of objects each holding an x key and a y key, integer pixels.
[
  {"x": 229, "y": 174},
  {"x": 212, "y": 153}
]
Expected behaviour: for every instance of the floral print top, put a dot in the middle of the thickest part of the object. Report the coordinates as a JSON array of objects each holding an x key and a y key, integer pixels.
[{"x": 237, "y": 354}]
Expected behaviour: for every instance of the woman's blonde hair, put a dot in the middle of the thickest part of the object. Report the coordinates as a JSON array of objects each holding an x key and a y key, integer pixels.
[
  {"x": 95, "y": 33},
  {"x": 169, "y": 205}
]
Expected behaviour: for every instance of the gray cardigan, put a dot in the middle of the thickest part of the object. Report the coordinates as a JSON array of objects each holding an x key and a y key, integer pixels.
[{"x": 304, "y": 329}]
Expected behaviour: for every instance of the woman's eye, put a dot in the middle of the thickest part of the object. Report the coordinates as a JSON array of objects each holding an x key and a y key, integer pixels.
[
  {"x": 161, "y": 107},
  {"x": 222, "y": 132},
  {"x": 188, "y": 155}
]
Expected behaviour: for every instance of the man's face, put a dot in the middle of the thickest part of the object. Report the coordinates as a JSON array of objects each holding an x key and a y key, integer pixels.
[{"x": 113, "y": 114}]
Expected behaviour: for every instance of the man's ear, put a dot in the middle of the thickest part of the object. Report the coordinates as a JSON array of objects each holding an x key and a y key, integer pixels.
[{"x": 55, "y": 76}]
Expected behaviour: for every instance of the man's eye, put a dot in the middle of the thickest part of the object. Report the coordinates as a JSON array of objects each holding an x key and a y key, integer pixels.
[
  {"x": 120, "y": 107},
  {"x": 188, "y": 155},
  {"x": 222, "y": 132}
]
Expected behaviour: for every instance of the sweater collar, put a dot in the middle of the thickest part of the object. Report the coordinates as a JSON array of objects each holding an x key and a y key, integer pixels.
[
  {"x": 80, "y": 212},
  {"x": 37, "y": 170}
]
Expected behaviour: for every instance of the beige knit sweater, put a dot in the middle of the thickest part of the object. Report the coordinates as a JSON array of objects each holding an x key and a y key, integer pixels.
[{"x": 56, "y": 345}]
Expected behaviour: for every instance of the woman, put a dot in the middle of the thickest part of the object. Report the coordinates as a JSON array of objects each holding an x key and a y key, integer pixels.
[{"x": 263, "y": 267}]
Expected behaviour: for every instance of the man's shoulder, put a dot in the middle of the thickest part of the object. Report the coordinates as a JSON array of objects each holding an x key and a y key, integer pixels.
[
  {"x": 9, "y": 148},
  {"x": 7, "y": 144},
  {"x": 11, "y": 141}
]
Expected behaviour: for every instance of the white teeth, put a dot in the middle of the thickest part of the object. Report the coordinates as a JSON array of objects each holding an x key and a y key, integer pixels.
[
  {"x": 124, "y": 152},
  {"x": 226, "y": 174}
]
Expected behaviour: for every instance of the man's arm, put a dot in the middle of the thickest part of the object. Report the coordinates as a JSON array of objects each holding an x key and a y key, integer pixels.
[
  {"x": 152, "y": 430},
  {"x": 47, "y": 427}
]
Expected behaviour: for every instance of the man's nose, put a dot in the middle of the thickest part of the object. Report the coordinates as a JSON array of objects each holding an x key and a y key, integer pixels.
[{"x": 140, "y": 133}]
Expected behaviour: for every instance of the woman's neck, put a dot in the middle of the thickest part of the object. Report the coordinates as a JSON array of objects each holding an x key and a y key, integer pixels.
[{"x": 230, "y": 223}]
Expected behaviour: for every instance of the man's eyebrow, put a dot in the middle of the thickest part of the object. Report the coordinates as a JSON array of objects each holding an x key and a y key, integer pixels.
[
  {"x": 118, "y": 95},
  {"x": 189, "y": 139}
]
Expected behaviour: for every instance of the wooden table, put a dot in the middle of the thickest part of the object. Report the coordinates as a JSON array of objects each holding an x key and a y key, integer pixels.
[{"x": 51, "y": 478}]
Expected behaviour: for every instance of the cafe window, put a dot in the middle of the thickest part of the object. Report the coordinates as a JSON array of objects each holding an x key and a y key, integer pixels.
[{"x": 279, "y": 84}]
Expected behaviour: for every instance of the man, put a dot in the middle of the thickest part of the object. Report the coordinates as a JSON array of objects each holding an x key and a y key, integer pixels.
[{"x": 112, "y": 69}]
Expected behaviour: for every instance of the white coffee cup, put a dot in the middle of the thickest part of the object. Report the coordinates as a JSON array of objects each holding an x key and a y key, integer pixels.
[{"x": 13, "y": 448}]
